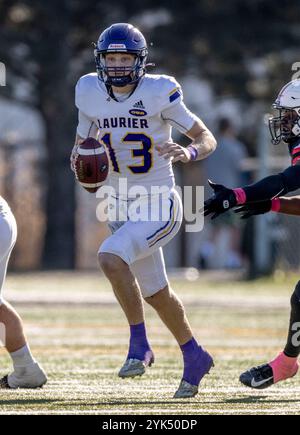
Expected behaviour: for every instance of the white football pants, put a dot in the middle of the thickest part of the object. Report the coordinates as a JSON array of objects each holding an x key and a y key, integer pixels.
[
  {"x": 139, "y": 243},
  {"x": 8, "y": 236}
]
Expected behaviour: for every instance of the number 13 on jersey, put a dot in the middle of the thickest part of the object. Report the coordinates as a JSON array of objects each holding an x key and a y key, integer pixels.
[{"x": 145, "y": 151}]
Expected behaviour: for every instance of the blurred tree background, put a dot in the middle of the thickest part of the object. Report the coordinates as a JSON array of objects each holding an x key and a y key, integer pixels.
[{"x": 242, "y": 50}]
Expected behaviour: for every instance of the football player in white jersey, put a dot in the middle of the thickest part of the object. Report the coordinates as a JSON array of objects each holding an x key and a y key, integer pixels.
[
  {"x": 133, "y": 114},
  {"x": 27, "y": 372}
]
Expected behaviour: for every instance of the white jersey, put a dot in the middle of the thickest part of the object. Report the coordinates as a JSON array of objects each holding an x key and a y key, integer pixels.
[{"x": 131, "y": 129}]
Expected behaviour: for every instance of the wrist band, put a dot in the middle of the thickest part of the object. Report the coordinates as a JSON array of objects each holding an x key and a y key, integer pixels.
[
  {"x": 193, "y": 152},
  {"x": 275, "y": 204},
  {"x": 240, "y": 195}
]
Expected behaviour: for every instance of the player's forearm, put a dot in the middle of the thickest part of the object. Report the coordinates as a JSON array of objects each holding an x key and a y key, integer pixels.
[
  {"x": 204, "y": 145},
  {"x": 270, "y": 187},
  {"x": 288, "y": 205}
]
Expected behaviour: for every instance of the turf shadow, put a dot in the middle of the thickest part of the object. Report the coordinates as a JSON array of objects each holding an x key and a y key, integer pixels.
[
  {"x": 26, "y": 401},
  {"x": 260, "y": 399}
]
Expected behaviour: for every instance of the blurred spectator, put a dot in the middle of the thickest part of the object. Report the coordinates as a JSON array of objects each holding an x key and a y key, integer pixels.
[
  {"x": 223, "y": 166},
  {"x": 222, "y": 247}
]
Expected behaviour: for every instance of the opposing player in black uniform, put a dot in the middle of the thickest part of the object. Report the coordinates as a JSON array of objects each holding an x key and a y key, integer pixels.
[{"x": 262, "y": 197}]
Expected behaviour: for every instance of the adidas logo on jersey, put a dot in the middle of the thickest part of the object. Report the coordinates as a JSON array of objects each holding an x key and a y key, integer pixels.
[{"x": 139, "y": 105}]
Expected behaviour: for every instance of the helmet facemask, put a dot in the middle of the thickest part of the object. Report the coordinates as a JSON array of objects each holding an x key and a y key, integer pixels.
[
  {"x": 285, "y": 126},
  {"x": 120, "y": 76}
]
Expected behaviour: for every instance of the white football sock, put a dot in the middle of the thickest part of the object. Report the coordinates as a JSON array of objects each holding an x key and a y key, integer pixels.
[{"x": 22, "y": 358}]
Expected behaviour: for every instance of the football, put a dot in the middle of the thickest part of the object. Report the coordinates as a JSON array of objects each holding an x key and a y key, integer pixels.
[{"x": 91, "y": 165}]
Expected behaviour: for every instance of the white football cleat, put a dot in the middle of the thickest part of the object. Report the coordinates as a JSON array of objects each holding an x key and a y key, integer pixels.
[
  {"x": 135, "y": 367},
  {"x": 31, "y": 377},
  {"x": 185, "y": 390}
]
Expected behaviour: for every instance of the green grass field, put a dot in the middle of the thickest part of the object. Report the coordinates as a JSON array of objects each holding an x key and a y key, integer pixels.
[{"x": 78, "y": 332}]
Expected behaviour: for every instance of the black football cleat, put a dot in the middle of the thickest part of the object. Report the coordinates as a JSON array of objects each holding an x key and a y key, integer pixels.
[
  {"x": 258, "y": 377},
  {"x": 4, "y": 383}
]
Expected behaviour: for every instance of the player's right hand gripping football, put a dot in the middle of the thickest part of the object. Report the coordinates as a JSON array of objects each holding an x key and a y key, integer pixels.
[
  {"x": 73, "y": 157},
  {"x": 254, "y": 209},
  {"x": 222, "y": 200}
]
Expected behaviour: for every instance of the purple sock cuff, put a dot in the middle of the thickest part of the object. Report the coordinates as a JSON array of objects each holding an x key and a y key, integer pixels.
[
  {"x": 138, "y": 330},
  {"x": 138, "y": 343},
  {"x": 190, "y": 346}
]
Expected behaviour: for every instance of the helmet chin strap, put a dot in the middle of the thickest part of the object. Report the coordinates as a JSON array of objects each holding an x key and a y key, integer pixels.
[
  {"x": 110, "y": 91},
  {"x": 113, "y": 81}
]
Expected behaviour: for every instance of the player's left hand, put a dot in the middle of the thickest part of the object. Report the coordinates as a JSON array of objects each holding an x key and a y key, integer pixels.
[
  {"x": 174, "y": 151},
  {"x": 222, "y": 200},
  {"x": 254, "y": 208}
]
